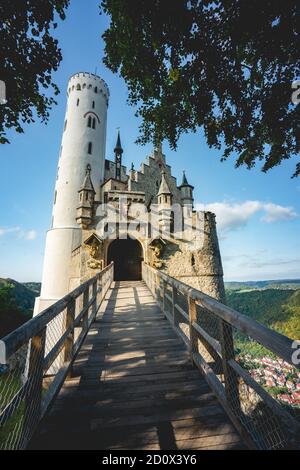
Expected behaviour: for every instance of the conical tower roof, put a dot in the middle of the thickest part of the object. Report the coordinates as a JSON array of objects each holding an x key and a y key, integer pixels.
[
  {"x": 87, "y": 184},
  {"x": 118, "y": 148},
  {"x": 185, "y": 181},
  {"x": 164, "y": 188}
]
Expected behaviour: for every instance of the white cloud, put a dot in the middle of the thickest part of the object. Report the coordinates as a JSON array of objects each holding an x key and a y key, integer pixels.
[
  {"x": 30, "y": 235},
  {"x": 232, "y": 216},
  {"x": 274, "y": 213},
  {"x": 5, "y": 230},
  {"x": 26, "y": 235}
]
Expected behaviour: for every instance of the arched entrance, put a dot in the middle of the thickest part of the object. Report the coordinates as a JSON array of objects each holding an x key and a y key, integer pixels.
[{"x": 127, "y": 256}]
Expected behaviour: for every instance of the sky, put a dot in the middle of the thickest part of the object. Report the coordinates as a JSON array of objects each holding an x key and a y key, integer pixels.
[{"x": 258, "y": 214}]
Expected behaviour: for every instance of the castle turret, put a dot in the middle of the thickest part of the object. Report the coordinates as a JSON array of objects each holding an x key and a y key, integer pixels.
[
  {"x": 83, "y": 144},
  {"x": 118, "y": 157},
  {"x": 164, "y": 198},
  {"x": 186, "y": 190},
  {"x": 86, "y": 200}
]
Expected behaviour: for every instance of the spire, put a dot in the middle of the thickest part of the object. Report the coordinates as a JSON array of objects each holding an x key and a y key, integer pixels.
[
  {"x": 158, "y": 147},
  {"x": 87, "y": 184},
  {"x": 118, "y": 157},
  {"x": 118, "y": 148},
  {"x": 185, "y": 181},
  {"x": 164, "y": 188}
]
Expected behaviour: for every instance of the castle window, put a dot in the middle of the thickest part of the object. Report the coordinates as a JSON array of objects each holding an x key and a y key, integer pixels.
[
  {"x": 55, "y": 196},
  {"x": 93, "y": 104},
  {"x": 90, "y": 148},
  {"x": 87, "y": 197},
  {"x": 89, "y": 122},
  {"x": 193, "y": 260},
  {"x": 94, "y": 123},
  {"x": 96, "y": 89},
  {"x": 77, "y": 101},
  {"x": 90, "y": 86},
  {"x": 78, "y": 87},
  {"x": 65, "y": 126}
]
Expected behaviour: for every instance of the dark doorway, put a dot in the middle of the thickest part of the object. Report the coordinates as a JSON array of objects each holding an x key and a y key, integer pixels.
[{"x": 127, "y": 256}]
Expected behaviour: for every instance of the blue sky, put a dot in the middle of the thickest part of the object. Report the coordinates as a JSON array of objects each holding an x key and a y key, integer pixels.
[{"x": 257, "y": 214}]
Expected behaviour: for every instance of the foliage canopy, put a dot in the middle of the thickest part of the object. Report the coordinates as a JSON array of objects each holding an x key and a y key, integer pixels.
[{"x": 224, "y": 65}]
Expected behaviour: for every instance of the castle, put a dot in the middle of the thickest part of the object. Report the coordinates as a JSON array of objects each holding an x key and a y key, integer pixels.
[{"x": 95, "y": 201}]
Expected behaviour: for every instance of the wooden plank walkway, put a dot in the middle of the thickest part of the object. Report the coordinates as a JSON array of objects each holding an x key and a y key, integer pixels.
[{"x": 134, "y": 387}]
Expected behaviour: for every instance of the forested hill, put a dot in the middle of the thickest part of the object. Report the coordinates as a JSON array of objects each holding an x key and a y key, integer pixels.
[
  {"x": 16, "y": 303},
  {"x": 276, "y": 308}
]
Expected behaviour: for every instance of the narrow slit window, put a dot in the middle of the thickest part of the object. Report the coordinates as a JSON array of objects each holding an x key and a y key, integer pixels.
[
  {"x": 93, "y": 105},
  {"x": 77, "y": 101},
  {"x": 94, "y": 123},
  {"x": 89, "y": 123},
  {"x": 90, "y": 148}
]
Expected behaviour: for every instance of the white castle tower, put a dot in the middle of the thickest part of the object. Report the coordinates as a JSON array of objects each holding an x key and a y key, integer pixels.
[{"x": 83, "y": 147}]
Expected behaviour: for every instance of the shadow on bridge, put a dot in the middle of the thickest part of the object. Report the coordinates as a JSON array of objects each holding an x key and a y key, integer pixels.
[{"x": 133, "y": 386}]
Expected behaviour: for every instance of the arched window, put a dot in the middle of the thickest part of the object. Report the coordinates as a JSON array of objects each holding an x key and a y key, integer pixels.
[
  {"x": 77, "y": 101},
  {"x": 90, "y": 86},
  {"x": 94, "y": 123},
  {"x": 96, "y": 89},
  {"x": 89, "y": 123},
  {"x": 90, "y": 148},
  {"x": 93, "y": 104},
  {"x": 78, "y": 87}
]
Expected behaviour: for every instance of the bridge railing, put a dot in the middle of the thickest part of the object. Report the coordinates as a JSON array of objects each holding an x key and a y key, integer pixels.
[
  {"x": 240, "y": 358},
  {"x": 36, "y": 358}
]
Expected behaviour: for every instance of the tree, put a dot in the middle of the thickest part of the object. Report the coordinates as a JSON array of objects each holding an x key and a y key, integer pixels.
[
  {"x": 28, "y": 56},
  {"x": 224, "y": 65}
]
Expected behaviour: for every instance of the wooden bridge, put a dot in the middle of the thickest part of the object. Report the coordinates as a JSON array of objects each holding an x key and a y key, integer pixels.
[{"x": 115, "y": 365}]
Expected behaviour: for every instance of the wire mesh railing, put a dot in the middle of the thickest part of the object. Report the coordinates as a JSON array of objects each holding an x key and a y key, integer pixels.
[
  {"x": 221, "y": 342},
  {"x": 36, "y": 358}
]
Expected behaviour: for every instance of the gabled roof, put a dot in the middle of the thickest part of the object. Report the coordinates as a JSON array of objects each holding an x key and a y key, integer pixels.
[
  {"x": 157, "y": 241},
  {"x": 87, "y": 184},
  {"x": 164, "y": 188},
  {"x": 92, "y": 237}
]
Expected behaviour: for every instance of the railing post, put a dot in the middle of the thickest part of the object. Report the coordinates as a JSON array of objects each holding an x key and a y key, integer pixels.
[
  {"x": 192, "y": 318},
  {"x": 33, "y": 400},
  {"x": 94, "y": 294},
  {"x": 69, "y": 342},
  {"x": 230, "y": 377},
  {"x": 157, "y": 287},
  {"x": 163, "y": 296},
  {"x": 174, "y": 316},
  {"x": 85, "y": 319}
]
